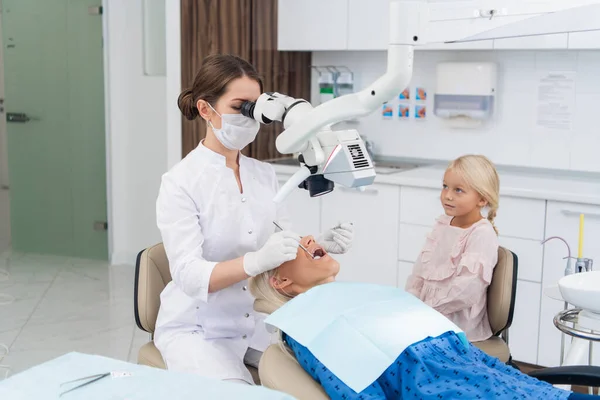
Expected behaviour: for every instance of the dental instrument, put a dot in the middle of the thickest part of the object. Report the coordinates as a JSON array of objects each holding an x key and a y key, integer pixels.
[
  {"x": 299, "y": 244},
  {"x": 91, "y": 379},
  {"x": 329, "y": 156}
]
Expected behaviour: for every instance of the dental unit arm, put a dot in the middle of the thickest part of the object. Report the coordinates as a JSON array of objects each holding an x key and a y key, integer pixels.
[{"x": 339, "y": 156}]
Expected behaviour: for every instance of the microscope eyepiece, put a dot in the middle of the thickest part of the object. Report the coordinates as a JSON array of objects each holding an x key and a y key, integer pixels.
[{"x": 247, "y": 109}]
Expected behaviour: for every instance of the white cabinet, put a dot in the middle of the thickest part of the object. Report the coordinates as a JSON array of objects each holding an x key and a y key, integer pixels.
[
  {"x": 478, "y": 45},
  {"x": 521, "y": 218},
  {"x": 563, "y": 220},
  {"x": 368, "y": 24},
  {"x": 314, "y": 25},
  {"x": 309, "y": 25},
  {"x": 404, "y": 271},
  {"x": 304, "y": 212},
  {"x": 411, "y": 239},
  {"x": 374, "y": 212},
  {"x": 530, "y": 254},
  {"x": 584, "y": 41},
  {"x": 541, "y": 42},
  {"x": 420, "y": 206},
  {"x": 523, "y": 334}
]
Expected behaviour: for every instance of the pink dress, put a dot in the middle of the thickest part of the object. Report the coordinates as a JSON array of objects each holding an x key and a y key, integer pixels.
[{"x": 453, "y": 272}]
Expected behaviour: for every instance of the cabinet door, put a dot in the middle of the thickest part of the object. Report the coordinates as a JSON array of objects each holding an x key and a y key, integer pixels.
[
  {"x": 563, "y": 220},
  {"x": 523, "y": 334},
  {"x": 411, "y": 240},
  {"x": 541, "y": 42},
  {"x": 521, "y": 218},
  {"x": 304, "y": 211},
  {"x": 368, "y": 24},
  {"x": 584, "y": 41},
  {"x": 312, "y": 25},
  {"x": 404, "y": 271},
  {"x": 530, "y": 254},
  {"x": 374, "y": 212},
  {"x": 420, "y": 206}
]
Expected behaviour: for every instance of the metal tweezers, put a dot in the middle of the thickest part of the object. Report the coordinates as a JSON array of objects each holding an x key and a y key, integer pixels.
[{"x": 93, "y": 378}]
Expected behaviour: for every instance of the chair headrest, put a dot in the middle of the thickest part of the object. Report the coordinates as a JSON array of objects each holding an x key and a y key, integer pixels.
[
  {"x": 502, "y": 291},
  {"x": 152, "y": 274},
  {"x": 263, "y": 306}
]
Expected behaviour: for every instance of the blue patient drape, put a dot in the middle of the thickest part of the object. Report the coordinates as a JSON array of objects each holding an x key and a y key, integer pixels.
[{"x": 435, "y": 368}]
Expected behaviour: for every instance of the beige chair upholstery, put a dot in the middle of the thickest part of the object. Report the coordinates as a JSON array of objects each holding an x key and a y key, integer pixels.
[
  {"x": 280, "y": 371},
  {"x": 501, "y": 305},
  {"x": 151, "y": 276}
]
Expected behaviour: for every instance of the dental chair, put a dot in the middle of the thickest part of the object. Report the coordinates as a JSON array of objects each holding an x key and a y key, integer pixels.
[
  {"x": 281, "y": 371},
  {"x": 152, "y": 274},
  {"x": 501, "y": 305}
]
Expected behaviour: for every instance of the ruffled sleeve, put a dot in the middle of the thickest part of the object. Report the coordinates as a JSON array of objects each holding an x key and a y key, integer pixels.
[
  {"x": 476, "y": 258},
  {"x": 414, "y": 285}
]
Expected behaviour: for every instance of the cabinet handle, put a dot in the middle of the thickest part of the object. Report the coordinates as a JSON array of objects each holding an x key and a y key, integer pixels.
[
  {"x": 371, "y": 192},
  {"x": 573, "y": 213}
]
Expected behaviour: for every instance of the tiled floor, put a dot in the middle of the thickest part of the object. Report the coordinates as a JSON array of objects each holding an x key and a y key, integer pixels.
[{"x": 63, "y": 305}]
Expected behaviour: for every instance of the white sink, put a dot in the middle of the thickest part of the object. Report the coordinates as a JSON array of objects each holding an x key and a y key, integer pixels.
[{"x": 582, "y": 290}]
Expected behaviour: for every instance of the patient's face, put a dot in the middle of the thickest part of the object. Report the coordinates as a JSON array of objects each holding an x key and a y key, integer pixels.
[{"x": 299, "y": 275}]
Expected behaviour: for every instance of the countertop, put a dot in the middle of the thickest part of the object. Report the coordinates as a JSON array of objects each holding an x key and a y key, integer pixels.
[{"x": 535, "y": 184}]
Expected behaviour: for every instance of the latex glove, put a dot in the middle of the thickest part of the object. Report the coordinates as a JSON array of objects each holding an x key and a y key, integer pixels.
[
  {"x": 338, "y": 239},
  {"x": 281, "y": 247}
]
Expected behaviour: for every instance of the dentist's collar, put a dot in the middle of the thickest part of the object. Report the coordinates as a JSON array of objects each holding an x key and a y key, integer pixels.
[{"x": 214, "y": 156}]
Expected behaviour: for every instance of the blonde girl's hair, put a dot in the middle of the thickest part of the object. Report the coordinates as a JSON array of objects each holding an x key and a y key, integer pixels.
[{"x": 481, "y": 175}]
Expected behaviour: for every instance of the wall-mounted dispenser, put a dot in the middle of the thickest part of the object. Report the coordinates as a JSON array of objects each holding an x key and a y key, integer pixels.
[
  {"x": 465, "y": 93},
  {"x": 334, "y": 81}
]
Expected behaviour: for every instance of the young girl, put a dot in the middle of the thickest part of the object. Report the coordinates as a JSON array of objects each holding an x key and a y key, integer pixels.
[{"x": 455, "y": 267}]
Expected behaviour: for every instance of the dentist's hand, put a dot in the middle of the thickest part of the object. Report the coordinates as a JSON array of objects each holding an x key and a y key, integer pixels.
[
  {"x": 281, "y": 247},
  {"x": 338, "y": 239}
]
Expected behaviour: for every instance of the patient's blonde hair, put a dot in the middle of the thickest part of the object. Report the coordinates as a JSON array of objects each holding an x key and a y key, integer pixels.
[
  {"x": 261, "y": 289},
  {"x": 480, "y": 174}
]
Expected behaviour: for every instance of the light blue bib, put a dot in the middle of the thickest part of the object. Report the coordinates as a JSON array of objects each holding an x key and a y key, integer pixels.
[{"x": 358, "y": 330}]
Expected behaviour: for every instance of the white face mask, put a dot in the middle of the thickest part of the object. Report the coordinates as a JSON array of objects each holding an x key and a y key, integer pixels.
[{"x": 237, "y": 131}]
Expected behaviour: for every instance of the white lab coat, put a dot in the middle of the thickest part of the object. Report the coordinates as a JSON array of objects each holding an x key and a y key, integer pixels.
[{"x": 204, "y": 219}]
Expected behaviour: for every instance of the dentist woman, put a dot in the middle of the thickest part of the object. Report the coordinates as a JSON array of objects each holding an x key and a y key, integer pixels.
[{"x": 215, "y": 213}]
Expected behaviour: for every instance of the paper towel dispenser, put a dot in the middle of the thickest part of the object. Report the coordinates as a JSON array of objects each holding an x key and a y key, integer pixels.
[{"x": 465, "y": 93}]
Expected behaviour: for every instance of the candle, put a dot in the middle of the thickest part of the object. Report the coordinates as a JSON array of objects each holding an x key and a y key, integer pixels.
[{"x": 580, "y": 253}]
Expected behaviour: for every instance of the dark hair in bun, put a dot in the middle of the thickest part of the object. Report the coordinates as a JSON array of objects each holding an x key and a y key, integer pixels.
[{"x": 212, "y": 79}]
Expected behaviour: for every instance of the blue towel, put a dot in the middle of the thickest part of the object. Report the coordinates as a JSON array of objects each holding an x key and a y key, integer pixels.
[{"x": 435, "y": 368}]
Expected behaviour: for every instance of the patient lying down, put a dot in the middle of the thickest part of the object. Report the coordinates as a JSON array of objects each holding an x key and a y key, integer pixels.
[{"x": 440, "y": 367}]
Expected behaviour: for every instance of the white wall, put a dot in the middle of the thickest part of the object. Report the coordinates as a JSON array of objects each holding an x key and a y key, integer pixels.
[
  {"x": 512, "y": 138},
  {"x": 137, "y": 133}
]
